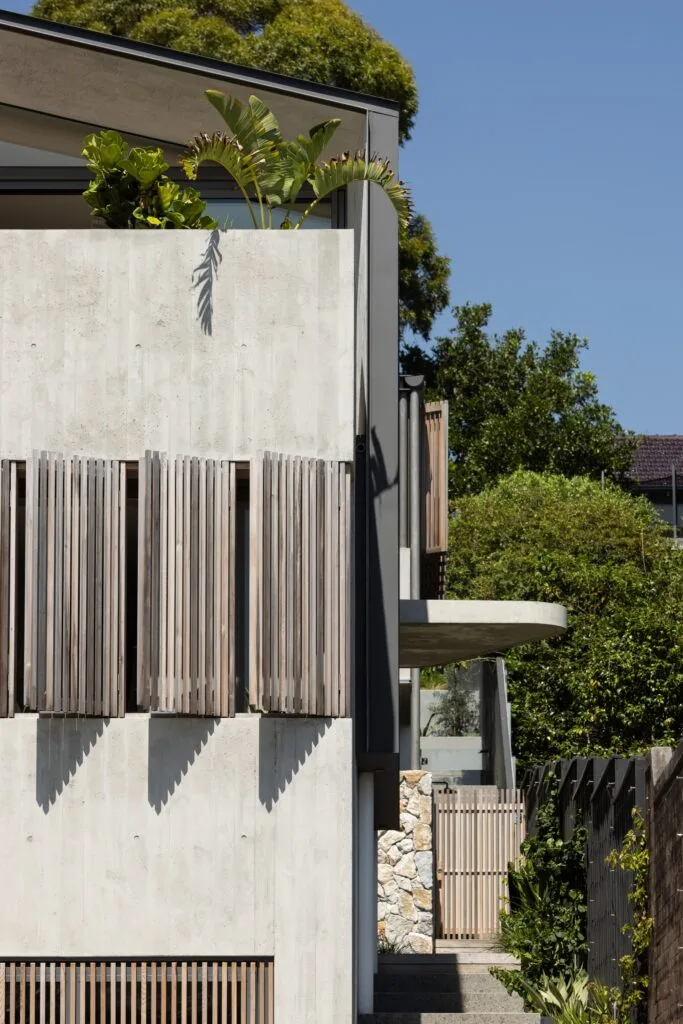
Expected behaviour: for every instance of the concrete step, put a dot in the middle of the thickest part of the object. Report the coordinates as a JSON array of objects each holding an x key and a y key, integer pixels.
[
  {"x": 492, "y": 1001},
  {"x": 436, "y": 980},
  {"x": 475, "y": 956},
  {"x": 449, "y": 1018}
]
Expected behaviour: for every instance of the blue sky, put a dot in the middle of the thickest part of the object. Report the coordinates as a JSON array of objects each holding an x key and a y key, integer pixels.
[{"x": 548, "y": 154}]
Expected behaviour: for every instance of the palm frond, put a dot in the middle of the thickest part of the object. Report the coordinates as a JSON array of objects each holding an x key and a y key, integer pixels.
[{"x": 346, "y": 169}]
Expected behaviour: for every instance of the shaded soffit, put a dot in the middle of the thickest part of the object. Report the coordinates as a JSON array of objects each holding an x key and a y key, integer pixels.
[
  {"x": 102, "y": 81},
  {"x": 438, "y": 632}
]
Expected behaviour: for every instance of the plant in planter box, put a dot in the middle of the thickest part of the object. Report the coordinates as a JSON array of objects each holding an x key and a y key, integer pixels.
[
  {"x": 270, "y": 171},
  {"x": 130, "y": 187}
]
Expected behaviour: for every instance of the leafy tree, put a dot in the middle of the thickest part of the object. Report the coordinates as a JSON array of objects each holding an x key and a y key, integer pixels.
[
  {"x": 423, "y": 278},
  {"x": 319, "y": 40},
  {"x": 455, "y": 713},
  {"x": 613, "y": 684},
  {"x": 515, "y": 406}
]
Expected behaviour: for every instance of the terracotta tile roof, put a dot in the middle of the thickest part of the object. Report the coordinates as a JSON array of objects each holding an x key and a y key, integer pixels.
[{"x": 654, "y": 457}]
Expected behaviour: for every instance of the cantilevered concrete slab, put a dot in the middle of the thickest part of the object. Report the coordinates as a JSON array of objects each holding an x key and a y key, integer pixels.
[{"x": 438, "y": 632}]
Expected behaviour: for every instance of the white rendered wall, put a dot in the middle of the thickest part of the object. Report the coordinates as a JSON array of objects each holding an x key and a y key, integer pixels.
[
  {"x": 110, "y": 344},
  {"x": 180, "y": 837}
]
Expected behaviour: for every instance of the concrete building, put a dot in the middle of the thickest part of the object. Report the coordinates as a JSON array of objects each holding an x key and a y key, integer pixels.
[{"x": 200, "y": 617}]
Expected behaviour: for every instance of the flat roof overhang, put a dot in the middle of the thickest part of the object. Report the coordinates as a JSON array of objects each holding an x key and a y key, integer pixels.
[
  {"x": 59, "y": 81},
  {"x": 439, "y": 632}
]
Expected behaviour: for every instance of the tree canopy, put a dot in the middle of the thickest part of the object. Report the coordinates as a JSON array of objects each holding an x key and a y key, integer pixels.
[
  {"x": 319, "y": 40},
  {"x": 614, "y": 683},
  {"x": 514, "y": 405}
]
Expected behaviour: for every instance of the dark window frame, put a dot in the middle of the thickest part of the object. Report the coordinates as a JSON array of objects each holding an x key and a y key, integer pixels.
[{"x": 74, "y": 180}]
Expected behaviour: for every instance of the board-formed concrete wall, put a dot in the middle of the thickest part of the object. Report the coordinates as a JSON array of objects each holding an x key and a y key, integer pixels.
[
  {"x": 114, "y": 342},
  {"x": 158, "y": 836}
]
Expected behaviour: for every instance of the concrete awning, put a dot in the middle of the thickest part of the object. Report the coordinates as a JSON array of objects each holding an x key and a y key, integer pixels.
[{"x": 438, "y": 632}]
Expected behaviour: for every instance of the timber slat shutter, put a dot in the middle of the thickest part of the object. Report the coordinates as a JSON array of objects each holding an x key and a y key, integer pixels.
[
  {"x": 74, "y": 652},
  {"x": 299, "y": 585},
  {"x": 435, "y": 477},
  {"x": 186, "y": 592}
]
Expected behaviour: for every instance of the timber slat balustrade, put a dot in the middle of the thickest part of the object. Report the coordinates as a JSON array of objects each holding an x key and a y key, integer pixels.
[
  {"x": 137, "y": 991},
  {"x": 299, "y": 585},
  {"x": 186, "y": 585},
  {"x": 74, "y": 603},
  {"x": 435, "y": 477}
]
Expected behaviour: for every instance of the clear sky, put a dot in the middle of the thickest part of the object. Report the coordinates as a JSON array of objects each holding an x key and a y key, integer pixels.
[{"x": 548, "y": 154}]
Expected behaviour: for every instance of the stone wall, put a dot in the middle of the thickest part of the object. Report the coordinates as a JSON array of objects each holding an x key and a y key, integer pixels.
[{"x": 405, "y": 872}]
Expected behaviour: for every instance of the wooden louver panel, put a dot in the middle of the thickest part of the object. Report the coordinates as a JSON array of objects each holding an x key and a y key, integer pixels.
[
  {"x": 186, "y": 585},
  {"x": 74, "y": 633},
  {"x": 299, "y": 585},
  {"x": 435, "y": 477},
  {"x": 8, "y": 591}
]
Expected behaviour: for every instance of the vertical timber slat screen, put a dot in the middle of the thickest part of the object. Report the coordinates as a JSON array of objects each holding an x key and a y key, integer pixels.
[
  {"x": 477, "y": 832},
  {"x": 74, "y": 652},
  {"x": 136, "y": 991},
  {"x": 8, "y": 585},
  {"x": 435, "y": 477},
  {"x": 600, "y": 795},
  {"x": 186, "y": 585},
  {"x": 299, "y": 585}
]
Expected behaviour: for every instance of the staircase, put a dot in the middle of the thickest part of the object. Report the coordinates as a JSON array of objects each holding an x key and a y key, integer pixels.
[{"x": 454, "y": 988}]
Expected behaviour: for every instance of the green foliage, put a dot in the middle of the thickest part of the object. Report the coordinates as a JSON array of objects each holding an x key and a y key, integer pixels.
[
  {"x": 456, "y": 714},
  {"x": 570, "y": 997},
  {"x": 613, "y": 684},
  {"x": 130, "y": 189},
  {"x": 423, "y": 278},
  {"x": 319, "y": 40},
  {"x": 270, "y": 171},
  {"x": 634, "y": 856},
  {"x": 568, "y": 1000},
  {"x": 515, "y": 406},
  {"x": 545, "y": 925}
]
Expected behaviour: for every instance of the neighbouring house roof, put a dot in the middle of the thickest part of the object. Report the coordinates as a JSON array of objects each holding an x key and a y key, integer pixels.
[{"x": 654, "y": 458}]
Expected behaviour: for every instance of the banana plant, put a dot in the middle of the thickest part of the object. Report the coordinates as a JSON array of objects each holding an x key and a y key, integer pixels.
[{"x": 270, "y": 171}]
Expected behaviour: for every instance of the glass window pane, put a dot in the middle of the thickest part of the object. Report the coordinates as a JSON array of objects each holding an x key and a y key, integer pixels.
[{"x": 234, "y": 213}]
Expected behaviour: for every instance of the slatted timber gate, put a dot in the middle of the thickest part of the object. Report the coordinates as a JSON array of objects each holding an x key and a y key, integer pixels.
[
  {"x": 477, "y": 833},
  {"x": 137, "y": 992}
]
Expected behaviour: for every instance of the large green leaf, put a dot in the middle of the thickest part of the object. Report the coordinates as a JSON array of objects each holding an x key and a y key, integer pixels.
[
  {"x": 254, "y": 126},
  {"x": 328, "y": 177}
]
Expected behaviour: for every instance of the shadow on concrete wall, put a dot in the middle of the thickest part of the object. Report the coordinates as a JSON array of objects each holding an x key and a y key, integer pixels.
[
  {"x": 284, "y": 745},
  {"x": 62, "y": 744},
  {"x": 203, "y": 278},
  {"x": 173, "y": 746}
]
